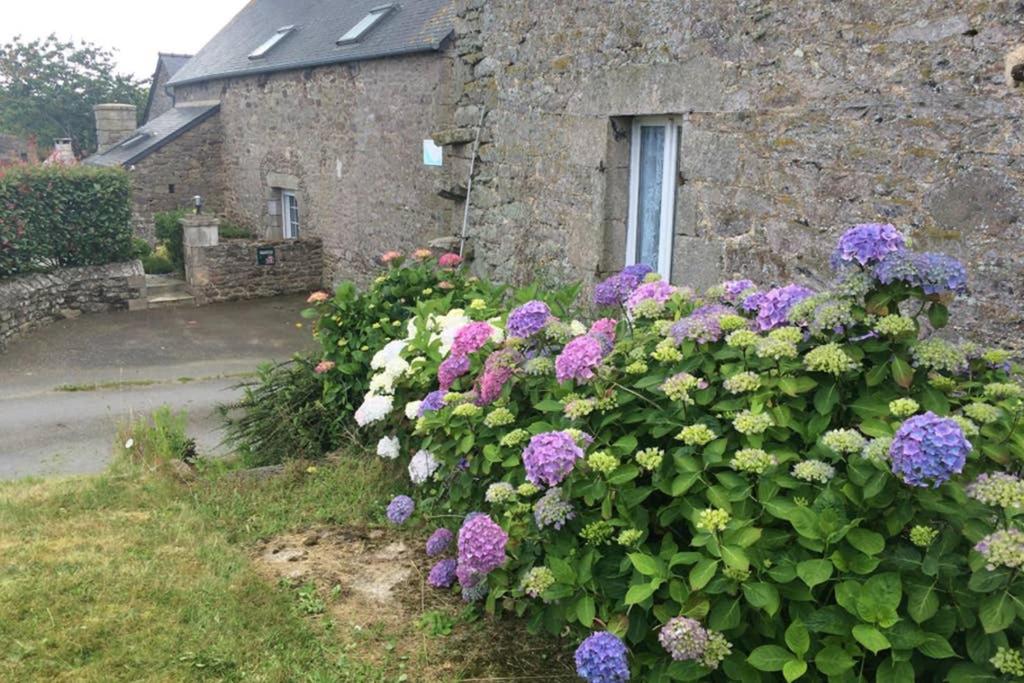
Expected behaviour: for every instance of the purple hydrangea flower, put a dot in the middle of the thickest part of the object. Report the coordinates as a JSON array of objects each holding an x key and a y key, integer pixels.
[
  {"x": 683, "y": 638},
  {"x": 475, "y": 592},
  {"x": 866, "y": 244},
  {"x": 470, "y": 338},
  {"x": 734, "y": 289},
  {"x": 442, "y": 574},
  {"x": 616, "y": 289},
  {"x": 752, "y": 301},
  {"x": 602, "y": 658},
  {"x": 528, "y": 319},
  {"x": 550, "y": 457},
  {"x": 604, "y": 331},
  {"x": 400, "y": 509},
  {"x": 659, "y": 291},
  {"x": 773, "y": 306},
  {"x": 552, "y": 509},
  {"x": 481, "y": 545},
  {"x": 451, "y": 368},
  {"x": 702, "y": 325},
  {"x": 439, "y": 542},
  {"x": 579, "y": 359},
  {"x": 432, "y": 402},
  {"x": 936, "y": 274},
  {"x": 927, "y": 450}
]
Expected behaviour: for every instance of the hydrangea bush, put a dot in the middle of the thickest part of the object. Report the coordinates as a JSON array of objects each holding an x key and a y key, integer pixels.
[{"x": 749, "y": 484}]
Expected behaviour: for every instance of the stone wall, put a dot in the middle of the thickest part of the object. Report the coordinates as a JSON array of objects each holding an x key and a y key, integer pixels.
[
  {"x": 347, "y": 139},
  {"x": 229, "y": 271},
  {"x": 30, "y": 301},
  {"x": 189, "y": 165},
  {"x": 797, "y": 120}
]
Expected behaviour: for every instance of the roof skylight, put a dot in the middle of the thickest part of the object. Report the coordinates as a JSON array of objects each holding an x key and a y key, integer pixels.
[
  {"x": 365, "y": 24},
  {"x": 134, "y": 140},
  {"x": 273, "y": 40}
]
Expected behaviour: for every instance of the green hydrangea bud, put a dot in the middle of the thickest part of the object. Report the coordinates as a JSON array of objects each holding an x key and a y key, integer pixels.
[
  {"x": 713, "y": 520},
  {"x": 537, "y": 580},
  {"x": 630, "y": 537},
  {"x": 527, "y": 489},
  {"x": 775, "y": 349},
  {"x": 738, "y": 575},
  {"x": 648, "y": 309},
  {"x": 996, "y": 356},
  {"x": 467, "y": 410},
  {"x": 666, "y": 352},
  {"x": 500, "y": 493},
  {"x": 922, "y": 536},
  {"x": 578, "y": 408},
  {"x": 730, "y": 322},
  {"x": 748, "y": 422},
  {"x": 814, "y": 471},
  {"x": 844, "y": 441},
  {"x": 696, "y": 435},
  {"x": 514, "y": 438},
  {"x": 539, "y": 366},
  {"x": 716, "y": 650},
  {"x": 793, "y": 335},
  {"x": 983, "y": 412},
  {"x": 1001, "y": 390},
  {"x": 829, "y": 358},
  {"x": 877, "y": 450},
  {"x": 1007, "y": 661},
  {"x": 741, "y": 339},
  {"x": 940, "y": 355},
  {"x": 903, "y": 407},
  {"x": 637, "y": 367},
  {"x": 742, "y": 382},
  {"x": 650, "y": 458},
  {"x": 895, "y": 326},
  {"x": 597, "y": 533},
  {"x": 499, "y": 417},
  {"x": 966, "y": 426},
  {"x": 753, "y": 460},
  {"x": 603, "y": 462}
]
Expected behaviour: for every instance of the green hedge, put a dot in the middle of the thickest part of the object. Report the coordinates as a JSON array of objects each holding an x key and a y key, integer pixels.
[{"x": 59, "y": 216}]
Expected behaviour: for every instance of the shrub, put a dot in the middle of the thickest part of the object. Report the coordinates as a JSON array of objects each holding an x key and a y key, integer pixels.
[
  {"x": 281, "y": 415},
  {"x": 157, "y": 439},
  {"x": 735, "y": 486},
  {"x": 61, "y": 216},
  {"x": 140, "y": 248},
  {"x": 170, "y": 231},
  {"x": 157, "y": 264},
  {"x": 232, "y": 231}
]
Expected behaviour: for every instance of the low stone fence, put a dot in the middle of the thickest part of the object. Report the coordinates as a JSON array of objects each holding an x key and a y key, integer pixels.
[
  {"x": 248, "y": 269},
  {"x": 30, "y": 301}
]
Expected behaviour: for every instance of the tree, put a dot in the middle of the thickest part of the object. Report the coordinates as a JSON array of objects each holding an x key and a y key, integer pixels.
[{"x": 48, "y": 88}]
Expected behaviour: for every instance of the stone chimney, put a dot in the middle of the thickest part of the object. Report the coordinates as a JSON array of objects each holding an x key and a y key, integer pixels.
[{"x": 114, "y": 123}]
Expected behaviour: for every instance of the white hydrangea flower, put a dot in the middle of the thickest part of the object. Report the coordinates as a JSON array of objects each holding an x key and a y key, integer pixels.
[
  {"x": 388, "y": 447},
  {"x": 391, "y": 351},
  {"x": 422, "y": 466},
  {"x": 382, "y": 384},
  {"x": 412, "y": 409},
  {"x": 374, "y": 409},
  {"x": 396, "y": 367},
  {"x": 577, "y": 328},
  {"x": 497, "y": 330}
]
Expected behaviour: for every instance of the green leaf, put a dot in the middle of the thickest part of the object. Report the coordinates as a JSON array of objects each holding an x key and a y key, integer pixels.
[
  {"x": 549, "y": 405},
  {"x": 922, "y": 602},
  {"x": 794, "y": 669},
  {"x": 725, "y": 615},
  {"x": 891, "y": 671},
  {"x": 814, "y": 572},
  {"x": 938, "y": 315},
  {"x": 826, "y": 398},
  {"x": 794, "y": 386},
  {"x": 798, "y": 639},
  {"x": 902, "y": 373},
  {"x": 640, "y": 592},
  {"x": 969, "y": 673},
  {"x": 879, "y": 599},
  {"x": 833, "y": 661},
  {"x": 585, "y": 611},
  {"x": 769, "y": 658},
  {"x": 997, "y": 613},
  {"x": 735, "y": 558},
  {"x": 682, "y": 483},
  {"x": 871, "y": 638},
  {"x": 868, "y": 542},
  {"x": 647, "y": 564},
  {"x": 762, "y": 596},
  {"x": 624, "y": 474},
  {"x": 561, "y": 570},
  {"x": 702, "y": 572},
  {"x": 936, "y": 647}
]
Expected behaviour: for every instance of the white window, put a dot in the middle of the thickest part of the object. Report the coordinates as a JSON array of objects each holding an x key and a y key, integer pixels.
[
  {"x": 290, "y": 215},
  {"x": 273, "y": 40},
  {"x": 652, "y": 193},
  {"x": 365, "y": 24}
]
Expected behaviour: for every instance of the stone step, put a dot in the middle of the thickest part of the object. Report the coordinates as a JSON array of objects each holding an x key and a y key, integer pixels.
[{"x": 174, "y": 299}]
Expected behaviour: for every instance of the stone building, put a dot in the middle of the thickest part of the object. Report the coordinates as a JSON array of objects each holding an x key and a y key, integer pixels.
[
  {"x": 716, "y": 138},
  {"x": 307, "y": 118},
  {"x": 13, "y": 150},
  {"x": 160, "y": 99}
]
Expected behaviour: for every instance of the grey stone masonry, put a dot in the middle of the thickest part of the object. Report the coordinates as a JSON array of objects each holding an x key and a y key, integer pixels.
[
  {"x": 30, "y": 301},
  {"x": 231, "y": 270},
  {"x": 796, "y": 120},
  {"x": 114, "y": 123}
]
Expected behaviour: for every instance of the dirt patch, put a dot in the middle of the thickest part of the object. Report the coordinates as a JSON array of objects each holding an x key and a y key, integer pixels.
[{"x": 372, "y": 584}]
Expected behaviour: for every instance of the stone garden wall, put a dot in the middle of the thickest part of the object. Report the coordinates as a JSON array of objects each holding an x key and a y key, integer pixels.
[
  {"x": 231, "y": 270},
  {"x": 797, "y": 120},
  {"x": 30, "y": 301}
]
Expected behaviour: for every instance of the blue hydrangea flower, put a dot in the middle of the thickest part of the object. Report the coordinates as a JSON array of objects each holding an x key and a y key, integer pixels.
[
  {"x": 439, "y": 542},
  {"x": 936, "y": 274},
  {"x": 400, "y": 509},
  {"x": 602, "y": 658},
  {"x": 528, "y": 319},
  {"x": 432, "y": 402},
  {"x": 616, "y": 289},
  {"x": 866, "y": 244},
  {"x": 442, "y": 574},
  {"x": 927, "y": 450}
]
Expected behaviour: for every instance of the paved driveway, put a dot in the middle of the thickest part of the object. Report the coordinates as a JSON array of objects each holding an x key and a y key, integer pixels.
[{"x": 183, "y": 357}]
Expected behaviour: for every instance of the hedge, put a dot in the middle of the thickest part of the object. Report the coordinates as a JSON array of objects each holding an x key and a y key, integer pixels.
[{"x": 60, "y": 216}]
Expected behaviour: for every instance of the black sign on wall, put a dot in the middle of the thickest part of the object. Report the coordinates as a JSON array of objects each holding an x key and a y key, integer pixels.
[{"x": 266, "y": 256}]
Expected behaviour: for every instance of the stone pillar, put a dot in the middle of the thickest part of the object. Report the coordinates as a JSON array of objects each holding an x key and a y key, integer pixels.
[
  {"x": 114, "y": 123},
  {"x": 199, "y": 232}
]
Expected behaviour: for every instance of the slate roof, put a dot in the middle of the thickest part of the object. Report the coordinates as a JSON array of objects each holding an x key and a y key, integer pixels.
[
  {"x": 171, "y": 63},
  {"x": 158, "y": 132},
  {"x": 413, "y": 26}
]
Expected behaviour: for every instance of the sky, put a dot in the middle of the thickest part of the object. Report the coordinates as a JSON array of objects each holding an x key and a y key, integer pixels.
[{"x": 135, "y": 29}]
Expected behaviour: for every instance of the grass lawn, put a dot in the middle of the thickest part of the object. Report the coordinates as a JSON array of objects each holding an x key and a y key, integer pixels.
[{"x": 135, "y": 576}]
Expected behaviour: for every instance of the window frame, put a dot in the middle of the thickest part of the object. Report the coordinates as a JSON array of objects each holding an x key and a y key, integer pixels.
[
  {"x": 370, "y": 21},
  {"x": 670, "y": 162},
  {"x": 290, "y": 230},
  {"x": 270, "y": 43}
]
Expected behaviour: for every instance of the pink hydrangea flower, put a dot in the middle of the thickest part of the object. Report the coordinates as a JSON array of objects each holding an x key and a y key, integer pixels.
[
  {"x": 422, "y": 254},
  {"x": 449, "y": 260},
  {"x": 658, "y": 290},
  {"x": 481, "y": 545},
  {"x": 471, "y": 338},
  {"x": 317, "y": 297},
  {"x": 579, "y": 359},
  {"x": 389, "y": 256},
  {"x": 498, "y": 369},
  {"x": 453, "y": 367},
  {"x": 324, "y": 366}
]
